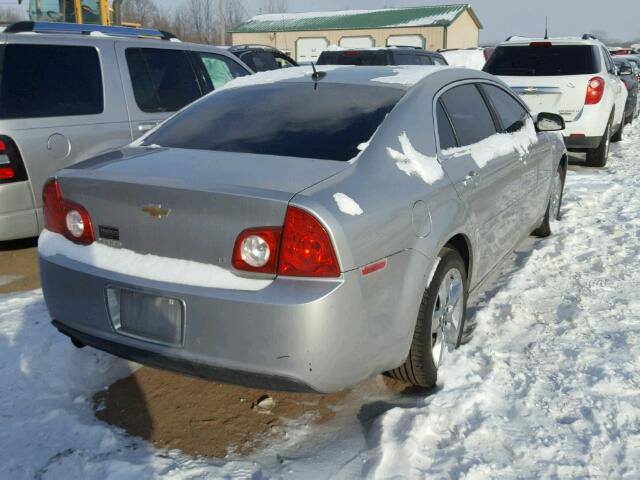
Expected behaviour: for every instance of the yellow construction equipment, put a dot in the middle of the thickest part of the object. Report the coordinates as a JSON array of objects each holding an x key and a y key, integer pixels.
[{"x": 96, "y": 12}]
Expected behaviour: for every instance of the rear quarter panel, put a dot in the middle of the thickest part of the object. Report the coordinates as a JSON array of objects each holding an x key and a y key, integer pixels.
[{"x": 405, "y": 218}]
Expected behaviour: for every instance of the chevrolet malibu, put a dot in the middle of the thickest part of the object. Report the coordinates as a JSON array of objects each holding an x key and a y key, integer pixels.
[{"x": 302, "y": 230}]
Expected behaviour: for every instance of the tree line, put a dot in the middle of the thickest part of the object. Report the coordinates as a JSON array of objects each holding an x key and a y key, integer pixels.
[{"x": 198, "y": 21}]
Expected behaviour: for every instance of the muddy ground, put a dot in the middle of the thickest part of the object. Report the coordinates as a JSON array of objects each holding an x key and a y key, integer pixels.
[
  {"x": 19, "y": 266},
  {"x": 179, "y": 412}
]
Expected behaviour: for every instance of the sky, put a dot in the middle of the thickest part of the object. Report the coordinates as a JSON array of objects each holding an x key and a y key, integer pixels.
[{"x": 501, "y": 18}]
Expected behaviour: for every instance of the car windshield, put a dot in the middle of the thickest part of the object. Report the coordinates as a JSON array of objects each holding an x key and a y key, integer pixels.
[
  {"x": 354, "y": 57},
  {"x": 323, "y": 121},
  {"x": 543, "y": 61}
]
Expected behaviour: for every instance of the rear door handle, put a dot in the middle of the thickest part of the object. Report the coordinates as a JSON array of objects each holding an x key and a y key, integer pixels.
[{"x": 145, "y": 127}]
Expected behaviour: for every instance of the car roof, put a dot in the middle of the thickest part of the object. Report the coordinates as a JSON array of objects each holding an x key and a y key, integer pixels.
[
  {"x": 378, "y": 49},
  {"x": 520, "y": 41},
  {"x": 97, "y": 38},
  {"x": 403, "y": 77}
]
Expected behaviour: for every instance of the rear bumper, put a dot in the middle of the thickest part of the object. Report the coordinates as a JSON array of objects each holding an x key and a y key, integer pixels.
[
  {"x": 300, "y": 335},
  {"x": 582, "y": 143},
  {"x": 147, "y": 357}
]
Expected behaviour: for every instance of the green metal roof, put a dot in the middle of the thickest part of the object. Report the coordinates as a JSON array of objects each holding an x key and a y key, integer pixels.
[{"x": 428, "y": 16}]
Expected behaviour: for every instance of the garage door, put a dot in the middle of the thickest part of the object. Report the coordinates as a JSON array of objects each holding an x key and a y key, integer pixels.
[
  {"x": 406, "y": 41},
  {"x": 309, "y": 49},
  {"x": 356, "y": 42}
]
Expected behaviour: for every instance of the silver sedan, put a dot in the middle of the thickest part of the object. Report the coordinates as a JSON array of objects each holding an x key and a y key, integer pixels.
[{"x": 302, "y": 231}]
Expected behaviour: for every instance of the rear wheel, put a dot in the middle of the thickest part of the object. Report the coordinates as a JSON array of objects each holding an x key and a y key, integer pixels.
[
  {"x": 440, "y": 322},
  {"x": 617, "y": 137},
  {"x": 553, "y": 208},
  {"x": 597, "y": 157}
]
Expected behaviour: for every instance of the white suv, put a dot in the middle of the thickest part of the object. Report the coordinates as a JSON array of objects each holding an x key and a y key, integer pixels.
[{"x": 573, "y": 77}]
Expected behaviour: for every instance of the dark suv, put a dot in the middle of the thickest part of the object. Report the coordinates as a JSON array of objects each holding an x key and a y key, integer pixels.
[
  {"x": 381, "y": 56},
  {"x": 261, "y": 58}
]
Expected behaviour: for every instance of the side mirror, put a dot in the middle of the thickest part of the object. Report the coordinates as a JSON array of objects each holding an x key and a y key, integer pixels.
[
  {"x": 624, "y": 71},
  {"x": 549, "y": 122}
]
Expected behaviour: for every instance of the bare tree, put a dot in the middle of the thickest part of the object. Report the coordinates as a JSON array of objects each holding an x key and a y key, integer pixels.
[
  {"x": 275, "y": 6},
  {"x": 10, "y": 15},
  {"x": 143, "y": 12},
  {"x": 235, "y": 13}
]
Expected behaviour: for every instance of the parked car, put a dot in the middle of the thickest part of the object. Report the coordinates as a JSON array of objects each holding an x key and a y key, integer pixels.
[
  {"x": 261, "y": 58},
  {"x": 475, "y": 58},
  {"x": 635, "y": 60},
  {"x": 380, "y": 56},
  {"x": 615, "y": 51},
  {"x": 574, "y": 77},
  {"x": 72, "y": 91},
  {"x": 302, "y": 231},
  {"x": 629, "y": 75}
]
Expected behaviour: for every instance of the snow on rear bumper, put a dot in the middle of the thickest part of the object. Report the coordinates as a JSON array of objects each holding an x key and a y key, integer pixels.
[{"x": 312, "y": 334}]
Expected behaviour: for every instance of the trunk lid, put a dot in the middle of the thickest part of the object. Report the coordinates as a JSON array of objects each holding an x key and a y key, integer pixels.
[
  {"x": 188, "y": 204},
  {"x": 565, "y": 96}
]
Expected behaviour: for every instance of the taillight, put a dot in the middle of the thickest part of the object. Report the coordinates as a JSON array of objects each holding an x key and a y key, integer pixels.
[
  {"x": 11, "y": 166},
  {"x": 65, "y": 217},
  {"x": 595, "y": 91},
  {"x": 306, "y": 249},
  {"x": 256, "y": 250},
  {"x": 541, "y": 44},
  {"x": 301, "y": 248}
]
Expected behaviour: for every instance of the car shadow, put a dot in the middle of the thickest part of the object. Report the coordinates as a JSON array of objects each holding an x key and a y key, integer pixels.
[{"x": 24, "y": 244}]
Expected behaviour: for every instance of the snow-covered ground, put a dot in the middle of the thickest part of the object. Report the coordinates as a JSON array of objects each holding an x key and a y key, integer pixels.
[{"x": 548, "y": 388}]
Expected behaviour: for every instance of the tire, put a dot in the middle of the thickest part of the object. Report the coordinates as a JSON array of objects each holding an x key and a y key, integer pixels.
[
  {"x": 617, "y": 137},
  {"x": 597, "y": 157},
  {"x": 554, "y": 207},
  {"x": 420, "y": 368}
]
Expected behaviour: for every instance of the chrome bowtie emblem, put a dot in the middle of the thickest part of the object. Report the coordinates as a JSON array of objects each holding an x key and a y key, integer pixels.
[
  {"x": 156, "y": 211},
  {"x": 530, "y": 90}
]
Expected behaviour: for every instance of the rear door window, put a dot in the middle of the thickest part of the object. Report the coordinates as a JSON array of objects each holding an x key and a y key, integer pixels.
[
  {"x": 220, "y": 69},
  {"x": 544, "y": 61},
  {"x": 469, "y": 114},
  {"x": 438, "y": 60},
  {"x": 283, "y": 62},
  {"x": 292, "y": 119},
  {"x": 50, "y": 81},
  {"x": 163, "y": 80},
  {"x": 260, "y": 61},
  {"x": 608, "y": 61},
  {"x": 511, "y": 113},
  {"x": 407, "y": 59}
]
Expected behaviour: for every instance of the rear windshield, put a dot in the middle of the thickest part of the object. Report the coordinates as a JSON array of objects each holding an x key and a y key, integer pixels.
[
  {"x": 552, "y": 61},
  {"x": 354, "y": 57},
  {"x": 324, "y": 121}
]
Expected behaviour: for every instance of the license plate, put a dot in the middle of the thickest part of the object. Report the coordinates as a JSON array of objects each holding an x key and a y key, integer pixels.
[{"x": 146, "y": 316}]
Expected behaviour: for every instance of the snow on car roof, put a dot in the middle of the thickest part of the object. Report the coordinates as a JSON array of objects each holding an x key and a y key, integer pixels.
[
  {"x": 401, "y": 76},
  {"x": 515, "y": 40}
]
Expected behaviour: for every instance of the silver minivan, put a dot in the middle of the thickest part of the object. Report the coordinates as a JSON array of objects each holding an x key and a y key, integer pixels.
[{"x": 69, "y": 92}]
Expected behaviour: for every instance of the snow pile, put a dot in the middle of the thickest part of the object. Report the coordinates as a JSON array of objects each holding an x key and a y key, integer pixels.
[
  {"x": 408, "y": 74},
  {"x": 549, "y": 386},
  {"x": 466, "y": 58},
  {"x": 150, "y": 267},
  {"x": 412, "y": 162},
  {"x": 498, "y": 145},
  {"x": 347, "y": 205}
]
